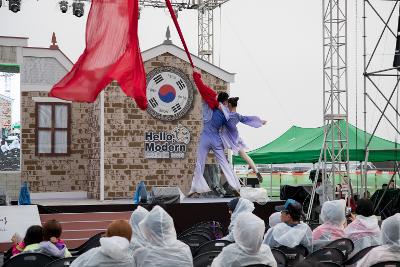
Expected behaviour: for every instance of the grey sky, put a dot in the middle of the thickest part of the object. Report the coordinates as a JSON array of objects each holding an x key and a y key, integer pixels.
[{"x": 275, "y": 47}]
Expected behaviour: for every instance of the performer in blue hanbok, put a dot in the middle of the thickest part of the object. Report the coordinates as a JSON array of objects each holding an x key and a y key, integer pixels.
[{"x": 213, "y": 119}]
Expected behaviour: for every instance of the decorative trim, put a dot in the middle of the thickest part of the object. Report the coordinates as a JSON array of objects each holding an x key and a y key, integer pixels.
[
  {"x": 59, "y": 195},
  {"x": 49, "y": 99},
  {"x": 13, "y": 41},
  {"x": 35, "y": 87},
  {"x": 198, "y": 62},
  {"x": 45, "y": 52}
]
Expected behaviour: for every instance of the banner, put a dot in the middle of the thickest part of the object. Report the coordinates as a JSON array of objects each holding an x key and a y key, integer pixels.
[{"x": 17, "y": 219}]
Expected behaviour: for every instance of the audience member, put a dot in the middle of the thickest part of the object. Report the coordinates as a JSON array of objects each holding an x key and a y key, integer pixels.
[
  {"x": 32, "y": 239},
  {"x": 237, "y": 206},
  {"x": 390, "y": 248},
  {"x": 4, "y": 146},
  {"x": 290, "y": 232},
  {"x": 137, "y": 216},
  {"x": 162, "y": 247},
  {"x": 364, "y": 231},
  {"x": 324, "y": 190},
  {"x": 392, "y": 185},
  {"x": 333, "y": 218},
  {"x": 248, "y": 249},
  {"x": 18, "y": 246},
  {"x": 274, "y": 219},
  {"x": 52, "y": 244},
  {"x": 113, "y": 251}
]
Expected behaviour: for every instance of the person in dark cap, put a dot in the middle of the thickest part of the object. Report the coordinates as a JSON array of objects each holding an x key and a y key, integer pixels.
[
  {"x": 291, "y": 232},
  {"x": 232, "y": 204},
  {"x": 237, "y": 206}
]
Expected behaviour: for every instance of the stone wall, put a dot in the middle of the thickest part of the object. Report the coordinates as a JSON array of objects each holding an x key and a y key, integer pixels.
[
  {"x": 125, "y": 127},
  {"x": 93, "y": 151},
  {"x": 5, "y": 113},
  {"x": 61, "y": 173}
]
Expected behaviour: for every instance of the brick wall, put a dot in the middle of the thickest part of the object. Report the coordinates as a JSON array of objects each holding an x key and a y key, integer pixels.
[
  {"x": 5, "y": 113},
  {"x": 55, "y": 174},
  {"x": 93, "y": 151},
  {"x": 125, "y": 129}
]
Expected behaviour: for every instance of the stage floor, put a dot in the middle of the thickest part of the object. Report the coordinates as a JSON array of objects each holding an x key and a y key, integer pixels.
[{"x": 80, "y": 202}]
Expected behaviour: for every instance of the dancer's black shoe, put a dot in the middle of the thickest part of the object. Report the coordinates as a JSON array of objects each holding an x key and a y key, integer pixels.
[
  {"x": 259, "y": 177},
  {"x": 193, "y": 195},
  {"x": 236, "y": 193}
]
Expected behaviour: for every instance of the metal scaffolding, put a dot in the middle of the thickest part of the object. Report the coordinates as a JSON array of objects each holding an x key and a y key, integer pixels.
[
  {"x": 335, "y": 96},
  {"x": 205, "y": 9},
  {"x": 380, "y": 83},
  {"x": 334, "y": 157}
]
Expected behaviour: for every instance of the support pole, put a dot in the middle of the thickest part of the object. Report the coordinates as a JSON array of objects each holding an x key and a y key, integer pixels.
[
  {"x": 102, "y": 143},
  {"x": 270, "y": 188}
]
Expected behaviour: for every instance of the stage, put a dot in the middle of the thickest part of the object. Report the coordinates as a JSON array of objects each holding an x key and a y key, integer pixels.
[{"x": 82, "y": 218}]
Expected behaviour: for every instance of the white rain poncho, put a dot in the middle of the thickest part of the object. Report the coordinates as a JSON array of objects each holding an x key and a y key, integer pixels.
[
  {"x": 390, "y": 250},
  {"x": 328, "y": 192},
  {"x": 113, "y": 252},
  {"x": 138, "y": 239},
  {"x": 290, "y": 236},
  {"x": 364, "y": 232},
  {"x": 243, "y": 205},
  {"x": 162, "y": 248},
  {"x": 333, "y": 217},
  {"x": 274, "y": 219},
  {"x": 248, "y": 249}
]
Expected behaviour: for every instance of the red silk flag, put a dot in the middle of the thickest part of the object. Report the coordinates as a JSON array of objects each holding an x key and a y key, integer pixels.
[
  {"x": 208, "y": 94},
  {"x": 112, "y": 53}
]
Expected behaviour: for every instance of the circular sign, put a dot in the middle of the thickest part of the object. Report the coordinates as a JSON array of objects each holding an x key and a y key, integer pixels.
[
  {"x": 182, "y": 134},
  {"x": 169, "y": 93}
]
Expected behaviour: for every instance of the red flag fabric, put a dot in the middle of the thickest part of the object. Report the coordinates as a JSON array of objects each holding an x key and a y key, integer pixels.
[
  {"x": 112, "y": 53},
  {"x": 208, "y": 94}
]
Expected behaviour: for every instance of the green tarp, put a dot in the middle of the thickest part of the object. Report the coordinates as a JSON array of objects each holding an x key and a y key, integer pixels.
[
  {"x": 9, "y": 68},
  {"x": 303, "y": 145}
]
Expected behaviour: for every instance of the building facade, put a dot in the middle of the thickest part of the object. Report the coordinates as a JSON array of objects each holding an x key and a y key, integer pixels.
[{"x": 107, "y": 147}]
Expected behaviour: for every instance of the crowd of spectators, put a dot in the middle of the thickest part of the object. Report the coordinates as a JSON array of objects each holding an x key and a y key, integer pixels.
[{"x": 150, "y": 239}]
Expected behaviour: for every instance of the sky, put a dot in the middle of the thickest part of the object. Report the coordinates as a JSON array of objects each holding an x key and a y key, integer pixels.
[{"x": 274, "y": 47}]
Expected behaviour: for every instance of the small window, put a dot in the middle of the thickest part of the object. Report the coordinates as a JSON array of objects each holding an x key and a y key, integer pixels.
[{"x": 53, "y": 129}]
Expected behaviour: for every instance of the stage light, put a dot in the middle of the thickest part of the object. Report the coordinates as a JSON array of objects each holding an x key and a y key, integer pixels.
[
  {"x": 14, "y": 5},
  {"x": 1, "y": 3},
  {"x": 77, "y": 9},
  {"x": 63, "y": 6}
]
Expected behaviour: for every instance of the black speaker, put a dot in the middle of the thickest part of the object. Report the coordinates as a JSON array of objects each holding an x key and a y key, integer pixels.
[
  {"x": 251, "y": 182},
  {"x": 390, "y": 203},
  {"x": 164, "y": 195},
  {"x": 396, "y": 61},
  {"x": 3, "y": 200}
]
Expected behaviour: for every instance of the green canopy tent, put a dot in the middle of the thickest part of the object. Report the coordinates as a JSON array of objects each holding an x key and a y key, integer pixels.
[{"x": 303, "y": 145}]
